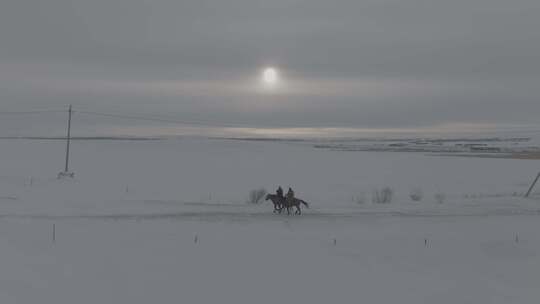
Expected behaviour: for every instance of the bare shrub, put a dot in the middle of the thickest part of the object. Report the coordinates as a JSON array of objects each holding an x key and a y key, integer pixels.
[
  {"x": 256, "y": 196},
  {"x": 440, "y": 197},
  {"x": 416, "y": 194},
  {"x": 382, "y": 196}
]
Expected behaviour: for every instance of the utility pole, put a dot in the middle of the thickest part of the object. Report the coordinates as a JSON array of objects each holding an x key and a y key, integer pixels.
[
  {"x": 66, "y": 172},
  {"x": 68, "y": 140},
  {"x": 532, "y": 185}
]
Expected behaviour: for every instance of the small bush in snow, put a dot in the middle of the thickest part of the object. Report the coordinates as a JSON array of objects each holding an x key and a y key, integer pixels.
[
  {"x": 382, "y": 196},
  {"x": 440, "y": 197},
  {"x": 256, "y": 196},
  {"x": 416, "y": 194}
]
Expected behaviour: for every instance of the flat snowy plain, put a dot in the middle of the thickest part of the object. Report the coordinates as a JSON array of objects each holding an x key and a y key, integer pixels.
[{"x": 166, "y": 221}]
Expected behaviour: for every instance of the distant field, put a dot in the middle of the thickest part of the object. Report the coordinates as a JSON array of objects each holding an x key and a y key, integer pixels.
[
  {"x": 120, "y": 175},
  {"x": 167, "y": 222}
]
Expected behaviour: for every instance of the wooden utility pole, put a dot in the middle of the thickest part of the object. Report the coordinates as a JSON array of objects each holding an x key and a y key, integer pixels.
[
  {"x": 66, "y": 172},
  {"x": 532, "y": 185},
  {"x": 68, "y": 140}
]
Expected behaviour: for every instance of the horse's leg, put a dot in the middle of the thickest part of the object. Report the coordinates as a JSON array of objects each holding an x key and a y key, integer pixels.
[{"x": 279, "y": 207}]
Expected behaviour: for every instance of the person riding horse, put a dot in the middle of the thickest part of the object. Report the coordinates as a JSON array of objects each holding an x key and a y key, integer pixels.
[
  {"x": 290, "y": 195},
  {"x": 291, "y": 201},
  {"x": 278, "y": 199},
  {"x": 279, "y": 191},
  {"x": 286, "y": 202}
]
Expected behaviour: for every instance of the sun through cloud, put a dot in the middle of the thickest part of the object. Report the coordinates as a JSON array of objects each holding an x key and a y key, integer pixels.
[{"x": 270, "y": 77}]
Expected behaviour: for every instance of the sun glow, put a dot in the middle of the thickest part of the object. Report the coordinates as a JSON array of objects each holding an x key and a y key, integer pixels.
[{"x": 270, "y": 76}]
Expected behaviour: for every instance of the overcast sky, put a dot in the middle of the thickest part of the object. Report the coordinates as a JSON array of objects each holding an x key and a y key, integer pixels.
[{"x": 373, "y": 64}]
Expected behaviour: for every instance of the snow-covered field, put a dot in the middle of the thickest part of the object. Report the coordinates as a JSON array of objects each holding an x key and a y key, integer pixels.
[{"x": 166, "y": 222}]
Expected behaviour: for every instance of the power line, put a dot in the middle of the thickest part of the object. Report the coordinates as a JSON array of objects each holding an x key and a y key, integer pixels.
[
  {"x": 29, "y": 112},
  {"x": 156, "y": 118},
  {"x": 165, "y": 120},
  {"x": 124, "y": 116},
  {"x": 152, "y": 118},
  {"x": 162, "y": 119},
  {"x": 145, "y": 118}
]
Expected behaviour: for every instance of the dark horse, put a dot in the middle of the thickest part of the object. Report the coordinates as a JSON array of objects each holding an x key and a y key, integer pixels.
[
  {"x": 281, "y": 203},
  {"x": 277, "y": 200},
  {"x": 294, "y": 202}
]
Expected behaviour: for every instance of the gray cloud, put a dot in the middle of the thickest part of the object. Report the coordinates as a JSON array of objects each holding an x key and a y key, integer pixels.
[{"x": 367, "y": 64}]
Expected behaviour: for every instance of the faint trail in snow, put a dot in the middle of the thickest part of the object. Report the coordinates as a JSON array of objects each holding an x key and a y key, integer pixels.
[{"x": 246, "y": 216}]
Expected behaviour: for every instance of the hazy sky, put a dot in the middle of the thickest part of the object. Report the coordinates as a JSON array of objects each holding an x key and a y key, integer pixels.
[{"x": 344, "y": 63}]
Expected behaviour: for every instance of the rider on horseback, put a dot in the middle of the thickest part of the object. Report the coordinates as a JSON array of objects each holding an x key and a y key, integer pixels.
[
  {"x": 286, "y": 202},
  {"x": 290, "y": 195},
  {"x": 279, "y": 192}
]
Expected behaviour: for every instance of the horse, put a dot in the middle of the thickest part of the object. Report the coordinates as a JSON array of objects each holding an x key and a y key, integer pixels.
[
  {"x": 293, "y": 202},
  {"x": 278, "y": 201}
]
